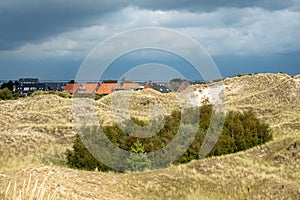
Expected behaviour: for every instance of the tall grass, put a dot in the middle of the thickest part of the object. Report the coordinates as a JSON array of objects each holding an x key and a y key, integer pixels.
[{"x": 30, "y": 190}]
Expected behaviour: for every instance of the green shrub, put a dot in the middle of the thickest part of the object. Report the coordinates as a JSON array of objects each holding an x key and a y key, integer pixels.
[
  {"x": 6, "y": 94},
  {"x": 98, "y": 96},
  {"x": 241, "y": 131},
  {"x": 81, "y": 158},
  {"x": 16, "y": 95},
  {"x": 63, "y": 94}
]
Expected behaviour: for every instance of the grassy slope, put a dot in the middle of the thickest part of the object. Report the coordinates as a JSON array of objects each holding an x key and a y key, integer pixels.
[{"x": 35, "y": 131}]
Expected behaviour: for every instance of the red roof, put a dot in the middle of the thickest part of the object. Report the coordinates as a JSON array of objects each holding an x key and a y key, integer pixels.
[
  {"x": 147, "y": 86},
  {"x": 106, "y": 88},
  {"x": 87, "y": 88},
  {"x": 182, "y": 87},
  {"x": 129, "y": 86},
  {"x": 71, "y": 88}
]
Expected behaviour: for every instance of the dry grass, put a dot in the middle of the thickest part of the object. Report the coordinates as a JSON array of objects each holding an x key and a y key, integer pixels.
[
  {"x": 29, "y": 190},
  {"x": 35, "y": 131},
  {"x": 140, "y": 105},
  {"x": 274, "y": 97}
]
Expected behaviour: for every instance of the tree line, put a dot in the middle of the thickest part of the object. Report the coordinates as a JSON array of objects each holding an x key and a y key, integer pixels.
[{"x": 6, "y": 90}]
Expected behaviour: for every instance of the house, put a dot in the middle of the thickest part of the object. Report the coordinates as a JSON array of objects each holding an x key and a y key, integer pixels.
[
  {"x": 28, "y": 80},
  {"x": 55, "y": 86},
  {"x": 87, "y": 88},
  {"x": 182, "y": 87},
  {"x": 130, "y": 86},
  {"x": 106, "y": 88},
  {"x": 161, "y": 87},
  {"x": 71, "y": 88},
  {"x": 29, "y": 85}
]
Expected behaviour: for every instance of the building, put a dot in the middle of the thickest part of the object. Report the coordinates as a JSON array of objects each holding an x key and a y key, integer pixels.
[
  {"x": 161, "y": 87},
  {"x": 87, "y": 88},
  {"x": 81, "y": 88},
  {"x": 128, "y": 87},
  {"x": 106, "y": 88},
  {"x": 55, "y": 86},
  {"x": 29, "y": 85},
  {"x": 28, "y": 81},
  {"x": 183, "y": 87},
  {"x": 71, "y": 88}
]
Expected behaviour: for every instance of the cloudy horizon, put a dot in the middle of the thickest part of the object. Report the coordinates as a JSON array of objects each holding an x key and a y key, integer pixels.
[{"x": 50, "y": 39}]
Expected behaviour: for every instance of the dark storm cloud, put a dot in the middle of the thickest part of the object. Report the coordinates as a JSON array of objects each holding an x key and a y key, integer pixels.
[
  {"x": 23, "y": 22},
  {"x": 209, "y": 5}
]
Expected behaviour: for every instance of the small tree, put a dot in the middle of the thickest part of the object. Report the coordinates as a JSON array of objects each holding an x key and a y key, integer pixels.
[
  {"x": 138, "y": 160},
  {"x": 123, "y": 80}
]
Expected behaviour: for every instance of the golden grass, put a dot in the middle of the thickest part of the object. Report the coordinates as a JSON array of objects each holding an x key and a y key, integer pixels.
[
  {"x": 29, "y": 191},
  {"x": 36, "y": 131},
  {"x": 253, "y": 174}
]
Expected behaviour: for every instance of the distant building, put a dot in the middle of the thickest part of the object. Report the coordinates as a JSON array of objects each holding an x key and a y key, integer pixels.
[
  {"x": 106, "y": 88},
  {"x": 128, "y": 87},
  {"x": 28, "y": 80},
  {"x": 87, "y": 88},
  {"x": 55, "y": 86},
  {"x": 81, "y": 88},
  {"x": 161, "y": 87},
  {"x": 29, "y": 85},
  {"x": 72, "y": 88},
  {"x": 183, "y": 87}
]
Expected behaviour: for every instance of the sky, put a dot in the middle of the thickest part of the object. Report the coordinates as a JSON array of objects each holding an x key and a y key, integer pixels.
[{"x": 51, "y": 39}]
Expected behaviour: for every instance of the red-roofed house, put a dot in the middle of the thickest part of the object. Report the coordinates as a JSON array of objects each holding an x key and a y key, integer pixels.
[
  {"x": 130, "y": 86},
  {"x": 182, "y": 87},
  {"x": 106, "y": 88},
  {"x": 71, "y": 88},
  {"x": 87, "y": 88}
]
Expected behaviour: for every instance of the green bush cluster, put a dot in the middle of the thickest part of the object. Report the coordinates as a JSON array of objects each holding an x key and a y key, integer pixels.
[
  {"x": 79, "y": 157},
  {"x": 241, "y": 131},
  {"x": 6, "y": 94}
]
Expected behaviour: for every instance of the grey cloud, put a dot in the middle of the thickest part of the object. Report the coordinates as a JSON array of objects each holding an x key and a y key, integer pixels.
[
  {"x": 29, "y": 21},
  {"x": 36, "y": 20},
  {"x": 205, "y": 5}
]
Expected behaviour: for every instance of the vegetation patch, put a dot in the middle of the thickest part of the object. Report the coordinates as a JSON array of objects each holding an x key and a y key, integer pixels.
[
  {"x": 6, "y": 94},
  {"x": 241, "y": 131},
  {"x": 63, "y": 94}
]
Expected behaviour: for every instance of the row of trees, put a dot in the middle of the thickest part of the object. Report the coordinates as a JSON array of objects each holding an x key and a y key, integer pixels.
[
  {"x": 241, "y": 131},
  {"x": 9, "y": 85},
  {"x": 6, "y": 90}
]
